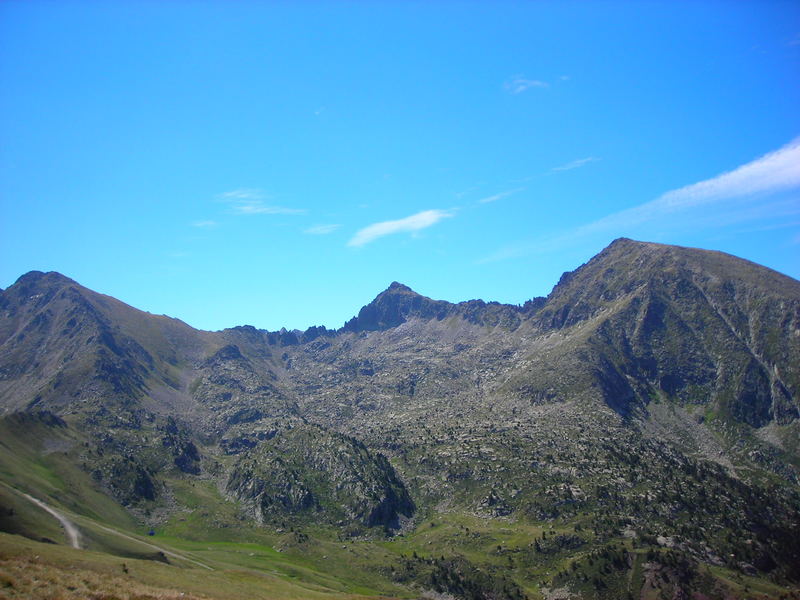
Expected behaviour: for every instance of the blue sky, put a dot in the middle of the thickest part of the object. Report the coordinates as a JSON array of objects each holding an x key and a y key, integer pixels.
[{"x": 279, "y": 164}]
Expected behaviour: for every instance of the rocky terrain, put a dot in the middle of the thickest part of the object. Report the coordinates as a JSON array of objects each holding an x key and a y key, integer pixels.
[{"x": 633, "y": 434}]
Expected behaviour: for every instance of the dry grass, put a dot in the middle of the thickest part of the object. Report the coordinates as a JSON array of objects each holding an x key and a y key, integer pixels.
[
  {"x": 22, "y": 577},
  {"x": 30, "y": 569}
]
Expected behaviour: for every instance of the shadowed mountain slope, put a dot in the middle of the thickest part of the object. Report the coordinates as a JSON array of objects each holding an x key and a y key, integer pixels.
[
  {"x": 60, "y": 343},
  {"x": 694, "y": 325}
]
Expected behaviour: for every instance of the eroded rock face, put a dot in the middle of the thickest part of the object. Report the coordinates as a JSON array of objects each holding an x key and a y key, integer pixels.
[
  {"x": 395, "y": 306},
  {"x": 306, "y": 471}
]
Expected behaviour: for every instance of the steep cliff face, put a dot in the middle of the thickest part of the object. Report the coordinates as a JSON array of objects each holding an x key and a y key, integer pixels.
[
  {"x": 395, "y": 306},
  {"x": 692, "y": 325},
  {"x": 308, "y": 472}
]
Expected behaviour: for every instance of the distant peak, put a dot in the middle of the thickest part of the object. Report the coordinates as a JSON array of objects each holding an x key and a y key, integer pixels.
[
  {"x": 394, "y": 306},
  {"x": 34, "y": 277},
  {"x": 621, "y": 244},
  {"x": 621, "y": 240},
  {"x": 31, "y": 277},
  {"x": 398, "y": 287}
]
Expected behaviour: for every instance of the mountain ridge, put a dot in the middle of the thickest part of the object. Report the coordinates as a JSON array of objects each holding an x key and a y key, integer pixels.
[
  {"x": 396, "y": 288},
  {"x": 654, "y": 391},
  {"x": 639, "y": 275}
]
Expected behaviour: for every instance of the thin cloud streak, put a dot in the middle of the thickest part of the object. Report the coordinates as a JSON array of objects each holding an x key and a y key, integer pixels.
[
  {"x": 321, "y": 229},
  {"x": 745, "y": 193},
  {"x": 773, "y": 172},
  {"x": 204, "y": 224},
  {"x": 416, "y": 222},
  {"x": 249, "y": 201},
  {"x": 500, "y": 196},
  {"x": 576, "y": 164},
  {"x": 263, "y": 209},
  {"x": 242, "y": 194},
  {"x": 517, "y": 85}
]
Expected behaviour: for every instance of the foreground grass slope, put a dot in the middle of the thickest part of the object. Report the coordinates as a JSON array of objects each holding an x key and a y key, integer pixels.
[
  {"x": 31, "y": 569},
  {"x": 205, "y": 549}
]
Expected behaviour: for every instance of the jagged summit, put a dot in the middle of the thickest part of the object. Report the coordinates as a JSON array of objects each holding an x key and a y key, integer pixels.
[
  {"x": 395, "y": 306},
  {"x": 397, "y": 290},
  {"x": 396, "y": 286}
]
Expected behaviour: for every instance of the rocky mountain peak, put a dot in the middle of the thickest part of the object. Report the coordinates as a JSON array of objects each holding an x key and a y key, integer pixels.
[
  {"x": 394, "y": 306},
  {"x": 36, "y": 283},
  {"x": 43, "y": 278},
  {"x": 395, "y": 292},
  {"x": 396, "y": 286}
]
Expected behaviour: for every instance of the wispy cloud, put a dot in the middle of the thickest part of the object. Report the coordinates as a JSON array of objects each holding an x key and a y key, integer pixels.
[
  {"x": 321, "y": 229},
  {"x": 242, "y": 194},
  {"x": 258, "y": 208},
  {"x": 576, "y": 164},
  {"x": 204, "y": 224},
  {"x": 518, "y": 84},
  {"x": 248, "y": 201},
  {"x": 499, "y": 196},
  {"x": 748, "y": 193},
  {"x": 416, "y": 222},
  {"x": 773, "y": 172}
]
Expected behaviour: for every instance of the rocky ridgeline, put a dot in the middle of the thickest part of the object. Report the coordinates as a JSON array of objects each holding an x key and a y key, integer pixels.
[{"x": 654, "y": 394}]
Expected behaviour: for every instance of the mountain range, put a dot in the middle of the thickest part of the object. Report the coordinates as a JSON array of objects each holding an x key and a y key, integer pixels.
[{"x": 632, "y": 435}]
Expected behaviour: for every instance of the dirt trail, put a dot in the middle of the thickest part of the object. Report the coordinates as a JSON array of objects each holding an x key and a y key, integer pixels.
[
  {"x": 74, "y": 534},
  {"x": 167, "y": 552},
  {"x": 72, "y": 531}
]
